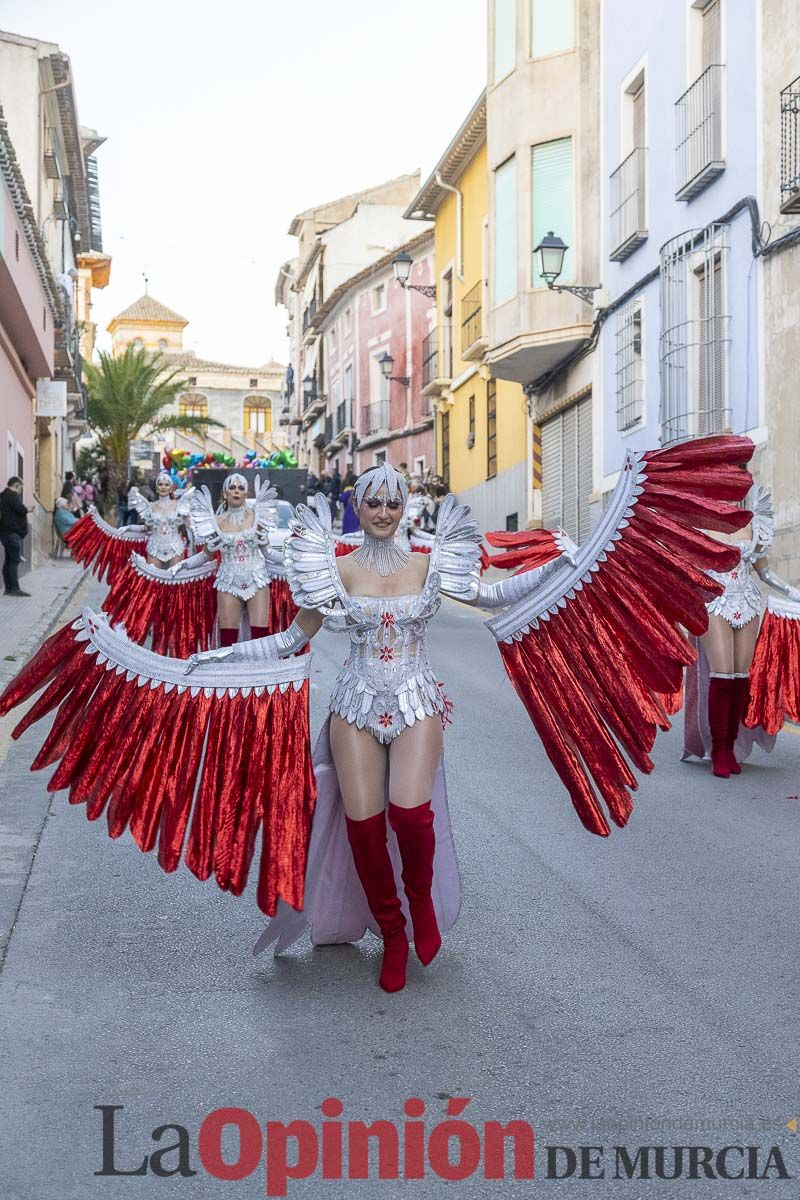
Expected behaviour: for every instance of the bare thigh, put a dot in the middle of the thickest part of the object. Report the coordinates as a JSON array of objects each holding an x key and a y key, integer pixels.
[
  {"x": 258, "y": 608},
  {"x": 744, "y": 645},
  {"x": 360, "y": 761},
  {"x": 229, "y": 610},
  {"x": 717, "y": 642},
  {"x": 413, "y": 758},
  {"x": 156, "y": 562}
]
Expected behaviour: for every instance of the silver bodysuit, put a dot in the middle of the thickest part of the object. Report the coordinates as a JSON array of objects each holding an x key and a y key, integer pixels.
[
  {"x": 387, "y": 683},
  {"x": 163, "y": 520},
  {"x": 741, "y": 601}
]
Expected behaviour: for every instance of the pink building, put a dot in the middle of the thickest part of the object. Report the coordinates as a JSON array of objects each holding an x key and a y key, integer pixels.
[
  {"x": 28, "y": 314},
  {"x": 372, "y": 414}
]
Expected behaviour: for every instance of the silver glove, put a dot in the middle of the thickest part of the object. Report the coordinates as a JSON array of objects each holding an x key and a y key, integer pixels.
[
  {"x": 277, "y": 645},
  {"x": 777, "y": 584},
  {"x": 509, "y": 591}
]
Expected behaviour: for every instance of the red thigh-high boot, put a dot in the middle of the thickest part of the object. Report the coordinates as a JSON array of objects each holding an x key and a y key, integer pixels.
[
  {"x": 740, "y": 688},
  {"x": 227, "y": 637},
  {"x": 719, "y": 707},
  {"x": 417, "y": 842},
  {"x": 258, "y": 631},
  {"x": 374, "y": 867}
]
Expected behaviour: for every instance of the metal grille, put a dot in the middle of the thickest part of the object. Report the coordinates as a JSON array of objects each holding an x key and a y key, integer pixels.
[
  {"x": 629, "y": 366},
  {"x": 628, "y": 228},
  {"x": 437, "y": 354},
  {"x": 790, "y": 148},
  {"x": 491, "y": 429},
  {"x": 93, "y": 190},
  {"x": 472, "y": 317},
  {"x": 446, "y": 448},
  {"x": 375, "y": 418},
  {"x": 695, "y": 335},
  {"x": 698, "y": 133}
]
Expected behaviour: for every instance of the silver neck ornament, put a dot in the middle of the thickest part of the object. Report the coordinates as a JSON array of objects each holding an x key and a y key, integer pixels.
[
  {"x": 235, "y": 517},
  {"x": 381, "y": 553}
]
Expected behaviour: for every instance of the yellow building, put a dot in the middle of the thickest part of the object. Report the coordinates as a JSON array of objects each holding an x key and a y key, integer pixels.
[{"x": 481, "y": 424}]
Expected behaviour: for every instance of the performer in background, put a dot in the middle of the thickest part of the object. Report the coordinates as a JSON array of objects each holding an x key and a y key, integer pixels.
[
  {"x": 239, "y": 533},
  {"x": 589, "y": 638},
  {"x": 717, "y": 686},
  {"x": 164, "y": 519}
]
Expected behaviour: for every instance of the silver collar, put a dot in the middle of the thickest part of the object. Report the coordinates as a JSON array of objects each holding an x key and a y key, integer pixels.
[{"x": 381, "y": 553}]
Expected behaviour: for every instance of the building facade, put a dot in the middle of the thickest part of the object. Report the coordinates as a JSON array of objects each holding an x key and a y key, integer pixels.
[
  {"x": 245, "y": 400},
  {"x": 335, "y": 242},
  {"x": 481, "y": 422},
  {"x": 543, "y": 155},
  {"x": 372, "y": 413},
  {"x": 779, "y": 201},
  {"x": 55, "y": 157}
]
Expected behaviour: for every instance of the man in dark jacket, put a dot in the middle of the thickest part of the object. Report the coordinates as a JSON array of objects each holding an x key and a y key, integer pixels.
[{"x": 13, "y": 531}]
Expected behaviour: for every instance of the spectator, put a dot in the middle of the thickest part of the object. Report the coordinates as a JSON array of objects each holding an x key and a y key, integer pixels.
[
  {"x": 403, "y": 469},
  {"x": 13, "y": 531},
  {"x": 63, "y": 519},
  {"x": 88, "y": 492}
]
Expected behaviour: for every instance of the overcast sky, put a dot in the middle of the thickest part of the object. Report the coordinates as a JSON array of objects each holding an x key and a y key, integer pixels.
[{"x": 225, "y": 119}]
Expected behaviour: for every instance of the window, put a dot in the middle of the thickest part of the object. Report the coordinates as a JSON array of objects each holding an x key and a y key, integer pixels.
[
  {"x": 16, "y": 244},
  {"x": 332, "y": 342},
  {"x": 253, "y": 383},
  {"x": 552, "y": 29},
  {"x": 551, "y": 200},
  {"x": 348, "y": 321},
  {"x": 137, "y": 343},
  {"x": 192, "y": 381},
  {"x": 505, "y": 231},
  {"x": 712, "y": 34},
  {"x": 420, "y": 466},
  {"x": 471, "y": 431},
  {"x": 504, "y": 38},
  {"x": 446, "y": 448},
  {"x": 512, "y": 522},
  {"x": 491, "y": 429},
  {"x": 162, "y": 344},
  {"x": 695, "y": 334},
  {"x": 257, "y": 416},
  {"x": 567, "y": 470},
  {"x": 348, "y": 383},
  {"x": 20, "y": 471},
  {"x": 379, "y": 298},
  {"x": 629, "y": 366},
  {"x": 380, "y": 457},
  {"x": 790, "y": 148},
  {"x": 193, "y": 406}
]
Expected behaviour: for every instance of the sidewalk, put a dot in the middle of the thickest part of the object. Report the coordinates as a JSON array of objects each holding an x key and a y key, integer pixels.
[{"x": 25, "y": 622}]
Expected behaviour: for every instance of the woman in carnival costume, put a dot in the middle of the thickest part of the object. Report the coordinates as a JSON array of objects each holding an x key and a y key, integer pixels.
[
  {"x": 718, "y": 684},
  {"x": 164, "y": 520},
  {"x": 590, "y": 638}
]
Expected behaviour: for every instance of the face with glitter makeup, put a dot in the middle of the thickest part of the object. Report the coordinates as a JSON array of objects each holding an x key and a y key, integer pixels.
[
  {"x": 163, "y": 487},
  {"x": 379, "y": 515},
  {"x": 235, "y": 494}
]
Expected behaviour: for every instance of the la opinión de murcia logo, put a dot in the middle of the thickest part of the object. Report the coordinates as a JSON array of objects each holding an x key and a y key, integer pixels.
[{"x": 452, "y": 1149}]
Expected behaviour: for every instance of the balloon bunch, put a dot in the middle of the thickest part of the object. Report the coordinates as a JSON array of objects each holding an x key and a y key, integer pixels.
[{"x": 275, "y": 461}]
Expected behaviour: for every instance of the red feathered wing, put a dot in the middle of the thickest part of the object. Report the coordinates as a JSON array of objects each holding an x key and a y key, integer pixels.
[
  {"x": 591, "y": 652},
  {"x": 190, "y": 762},
  {"x": 775, "y": 673},
  {"x": 523, "y": 550},
  {"x": 178, "y": 612},
  {"x": 101, "y": 548}
]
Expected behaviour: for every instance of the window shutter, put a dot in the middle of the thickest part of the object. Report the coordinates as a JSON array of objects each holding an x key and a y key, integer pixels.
[
  {"x": 584, "y": 412},
  {"x": 551, "y": 168},
  {"x": 551, "y": 27},
  {"x": 712, "y": 35},
  {"x": 552, "y": 490},
  {"x": 505, "y": 231},
  {"x": 569, "y": 504}
]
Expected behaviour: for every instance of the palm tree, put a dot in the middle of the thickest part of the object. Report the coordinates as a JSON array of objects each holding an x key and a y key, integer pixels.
[{"x": 128, "y": 394}]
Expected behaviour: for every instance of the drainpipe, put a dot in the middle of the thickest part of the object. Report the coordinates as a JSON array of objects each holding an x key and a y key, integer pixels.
[{"x": 459, "y": 223}]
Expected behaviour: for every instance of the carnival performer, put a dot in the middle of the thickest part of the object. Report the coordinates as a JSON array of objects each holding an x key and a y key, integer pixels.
[
  {"x": 717, "y": 685},
  {"x": 589, "y": 638},
  {"x": 239, "y": 533},
  {"x": 164, "y": 519}
]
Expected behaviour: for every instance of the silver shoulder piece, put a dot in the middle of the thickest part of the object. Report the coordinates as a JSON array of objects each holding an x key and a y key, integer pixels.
[
  {"x": 266, "y": 513},
  {"x": 456, "y": 551},
  {"x": 311, "y": 558},
  {"x": 759, "y": 501},
  {"x": 201, "y": 516},
  {"x": 140, "y": 505}
]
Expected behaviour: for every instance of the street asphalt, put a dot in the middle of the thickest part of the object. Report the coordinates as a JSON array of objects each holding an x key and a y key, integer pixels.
[{"x": 635, "y": 990}]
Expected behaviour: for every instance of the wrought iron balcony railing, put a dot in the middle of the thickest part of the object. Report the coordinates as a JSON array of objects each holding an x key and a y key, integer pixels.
[
  {"x": 344, "y": 416},
  {"x": 437, "y": 355},
  {"x": 790, "y": 148},
  {"x": 375, "y": 418},
  {"x": 628, "y": 205},
  {"x": 472, "y": 319},
  {"x": 698, "y": 133}
]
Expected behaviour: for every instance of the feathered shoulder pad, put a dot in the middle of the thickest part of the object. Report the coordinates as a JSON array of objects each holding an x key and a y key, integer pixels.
[
  {"x": 310, "y": 556},
  {"x": 759, "y": 501},
  {"x": 202, "y": 519},
  {"x": 266, "y": 511},
  {"x": 456, "y": 551},
  {"x": 140, "y": 504}
]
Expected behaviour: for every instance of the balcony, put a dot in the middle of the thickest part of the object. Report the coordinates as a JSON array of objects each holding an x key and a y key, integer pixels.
[
  {"x": 50, "y": 158},
  {"x": 790, "y": 148},
  {"x": 628, "y": 205},
  {"x": 374, "y": 422},
  {"x": 341, "y": 426},
  {"x": 698, "y": 134},
  {"x": 309, "y": 313},
  {"x": 473, "y": 337},
  {"x": 437, "y": 360}
]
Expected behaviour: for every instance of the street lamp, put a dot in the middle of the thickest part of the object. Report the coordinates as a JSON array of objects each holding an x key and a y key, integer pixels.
[
  {"x": 386, "y": 364},
  {"x": 551, "y": 251},
  {"x": 401, "y": 264}
]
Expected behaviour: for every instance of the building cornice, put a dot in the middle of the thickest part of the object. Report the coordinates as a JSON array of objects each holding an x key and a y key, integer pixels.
[{"x": 451, "y": 166}]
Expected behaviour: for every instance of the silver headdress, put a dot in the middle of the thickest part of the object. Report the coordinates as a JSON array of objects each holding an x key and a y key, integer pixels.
[
  {"x": 236, "y": 517},
  {"x": 165, "y": 475},
  {"x": 370, "y": 482},
  {"x": 231, "y": 479}
]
